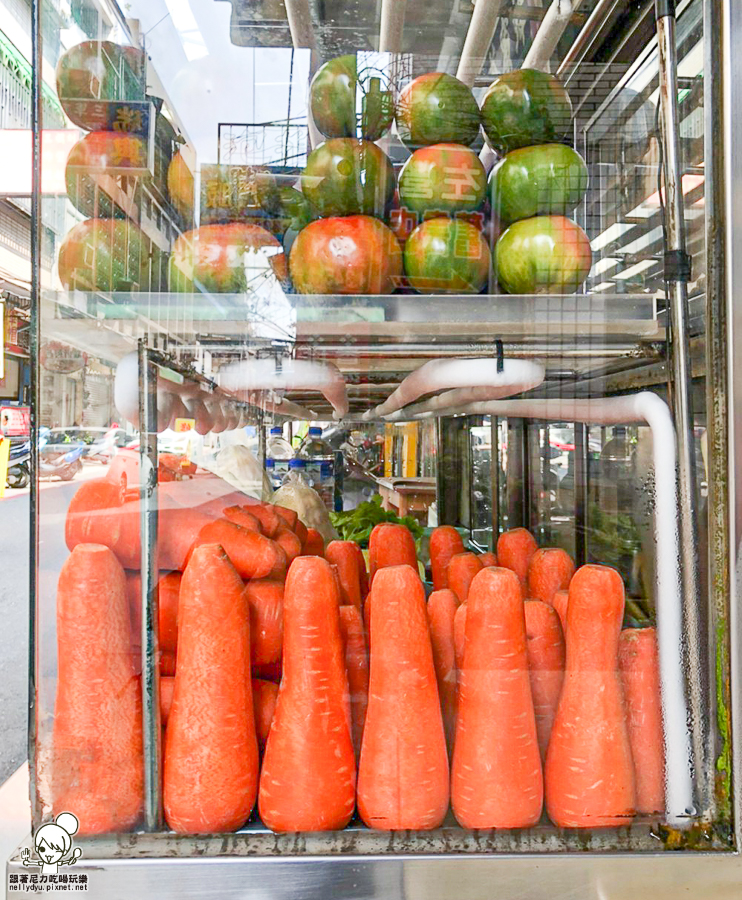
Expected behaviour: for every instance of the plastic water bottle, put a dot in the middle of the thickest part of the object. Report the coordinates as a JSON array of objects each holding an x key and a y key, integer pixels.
[
  {"x": 271, "y": 473},
  {"x": 279, "y": 451},
  {"x": 297, "y": 471},
  {"x": 320, "y": 461}
]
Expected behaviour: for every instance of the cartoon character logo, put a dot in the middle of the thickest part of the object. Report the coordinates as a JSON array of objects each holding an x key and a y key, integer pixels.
[{"x": 53, "y": 845}]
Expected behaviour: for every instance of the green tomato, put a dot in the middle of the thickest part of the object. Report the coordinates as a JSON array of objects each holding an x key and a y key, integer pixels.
[
  {"x": 437, "y": 108},
  {"x": 543, "y": 255},
  {"x": 346, "y": 102},
  {"x": 445, "y": 178},
  {"x": 346, "y": 177},
  {"x": 103, "y": 255},
  {"x": 545, "y": 179},
  {"x": 525, "y": 107},
  {"x": 447, "y": 256}
]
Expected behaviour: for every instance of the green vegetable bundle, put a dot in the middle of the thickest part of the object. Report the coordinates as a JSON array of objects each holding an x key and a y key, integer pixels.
[{"x": 356, "y": 525}]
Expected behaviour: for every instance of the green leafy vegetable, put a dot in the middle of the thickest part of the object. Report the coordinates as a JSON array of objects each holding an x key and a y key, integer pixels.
[{"x": 357, "y": 524}]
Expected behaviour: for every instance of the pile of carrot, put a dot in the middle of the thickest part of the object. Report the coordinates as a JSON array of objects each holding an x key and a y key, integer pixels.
[{"x": 297, "y": 685}]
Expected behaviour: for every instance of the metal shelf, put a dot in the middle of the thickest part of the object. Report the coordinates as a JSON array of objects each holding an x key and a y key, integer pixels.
[{"x": 603, "y": 319}]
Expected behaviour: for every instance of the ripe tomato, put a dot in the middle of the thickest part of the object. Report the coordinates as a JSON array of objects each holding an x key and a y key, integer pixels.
[
  {"x": 447, "y": 256},
  {"x": 437, "y": 108},
  {"x": 103, "y": 255},
  {"x": 229, "y": 259},
  {"x": 349, "y": 255}
]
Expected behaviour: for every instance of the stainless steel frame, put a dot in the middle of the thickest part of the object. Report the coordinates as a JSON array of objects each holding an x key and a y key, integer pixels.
[
  {"x": 470, "y": 866},
  {"x": 680, "y": 384},
  {"x": 726, "y": 44},
  {"x": 152, "y": 730}
]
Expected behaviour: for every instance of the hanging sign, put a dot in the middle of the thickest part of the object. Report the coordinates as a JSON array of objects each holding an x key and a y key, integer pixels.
[{"x": 61, "y": 359}]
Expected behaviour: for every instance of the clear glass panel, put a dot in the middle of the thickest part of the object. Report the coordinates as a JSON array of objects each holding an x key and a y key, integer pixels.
[{"x": 345, "y": 289}]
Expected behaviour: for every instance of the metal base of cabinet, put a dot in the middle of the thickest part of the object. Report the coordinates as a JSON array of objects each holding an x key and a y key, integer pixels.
[{"x": 553, "y": 877}]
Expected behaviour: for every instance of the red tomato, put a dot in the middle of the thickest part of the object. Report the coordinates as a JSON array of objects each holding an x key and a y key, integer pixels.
[
  {"x": 99, "y": 153},
  {"x": 346, "y": 255},
  {"x": 227, "y": 258}
]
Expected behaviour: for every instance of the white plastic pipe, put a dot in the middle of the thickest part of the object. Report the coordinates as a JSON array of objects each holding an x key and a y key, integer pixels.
[
  {"x": 291, "y": 374},
  {"x": 478, "y": 40},
  {"x": 300, "y": 23},
  {"x": 648, "y": 408},
  {"x": 199, "y": 413},
  {"x": 550, "y": 31},
  {"x": 517, "y": 376},
  {"x": 214, "y": 408},
  {"x": 392, "y": 25},
  {"x": 552, "y": 27}
]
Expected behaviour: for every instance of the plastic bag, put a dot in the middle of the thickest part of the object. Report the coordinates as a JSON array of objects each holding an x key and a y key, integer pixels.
[
  {"x": 297, "y": 495},
  {"x": 240, "y": 467}
]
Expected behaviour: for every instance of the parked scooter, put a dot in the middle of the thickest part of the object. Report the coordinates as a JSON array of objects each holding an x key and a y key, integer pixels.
[
  {"x": 62, "y": 460},
  {"x": 19, "y": 463}
]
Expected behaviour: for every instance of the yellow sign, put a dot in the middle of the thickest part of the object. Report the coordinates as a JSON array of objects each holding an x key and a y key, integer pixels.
[
  {"x": 4, "y": 456},
  {"x": 183, "y": 425}
]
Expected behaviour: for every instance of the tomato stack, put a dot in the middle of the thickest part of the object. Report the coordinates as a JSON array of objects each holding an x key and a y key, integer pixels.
[
  {"x": 105, "y": 252},
  {"x": 537, "y": 182}
]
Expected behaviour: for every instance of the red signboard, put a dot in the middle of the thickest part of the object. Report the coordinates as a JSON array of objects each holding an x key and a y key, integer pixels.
[{"x": 15, "y": 421}]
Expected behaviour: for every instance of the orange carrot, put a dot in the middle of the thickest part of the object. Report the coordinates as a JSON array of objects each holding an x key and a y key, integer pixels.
[
  {"x": 272, "y": 672},
  {"x": 640, "y": 677},
  {"x": 266, "y": 514},
  {"x": 167, "y": 663},
  {"x": 167, "y": 686},
  {"x": 343, "y": 555},
  {"x": 589, "y": 773},
  {"x": 445, "y": 543},
  {"x": 488, "y": 559},
  {"x": 168, "y": 591},
  {"x": 362, "y": 573},
  {"x": 211, "y": 751},
  {"x": 442, "y": 606},
  {"x": 551, "y": 570},
  {"x": 314, "y": 545},
  {"x": 91, "y": 515},
  {"x": 291, "y": 544},
  {"x": 265, "y": 598},
  {"x": 559, "y": 602},
  {"x": 97, "y": 768},
  {"x": 308, "y": 778},
  {"x": 178, "y": 529},
  {"x": 515, "y": 548},
  {"x": 289, "y": 516},
  {"x": 403, "y": 771},
  {"x": 459, "y": 631},
  {"x": 356, "y": 664},
  {"x": 264, "y": 697},
  {"x": 461, "y": 570},
  {"x": 545, "y": 643},
  {"x": 496, "y": 777},
  {"x": 134, "y": 602},
  {"x": 241, "y": 516},
  {"x": 367, "y": 617},
  {"x": 253, "y": 555},
  {"x": 391, "y": 545},
  {"x": 302, "y": 532}
]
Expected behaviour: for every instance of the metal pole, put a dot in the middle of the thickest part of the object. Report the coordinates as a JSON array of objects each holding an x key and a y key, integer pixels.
[
  {"x": 581, "y": 491},
  {"x": 34, "y": 336},
  {"x": 392, "y": 25},
  {"x": 495, "y": 478},
  {"x": 150, "y": 639},
  {"x": 677, "y": 272},
  {"x": 572, "y": 58}
]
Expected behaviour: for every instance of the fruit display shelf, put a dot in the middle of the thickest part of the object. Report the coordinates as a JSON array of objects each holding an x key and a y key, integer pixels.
[{"x": 367, "y": 334}]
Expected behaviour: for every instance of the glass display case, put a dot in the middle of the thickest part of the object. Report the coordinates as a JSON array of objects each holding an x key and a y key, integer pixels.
[{"x": 433, "y": 297}]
